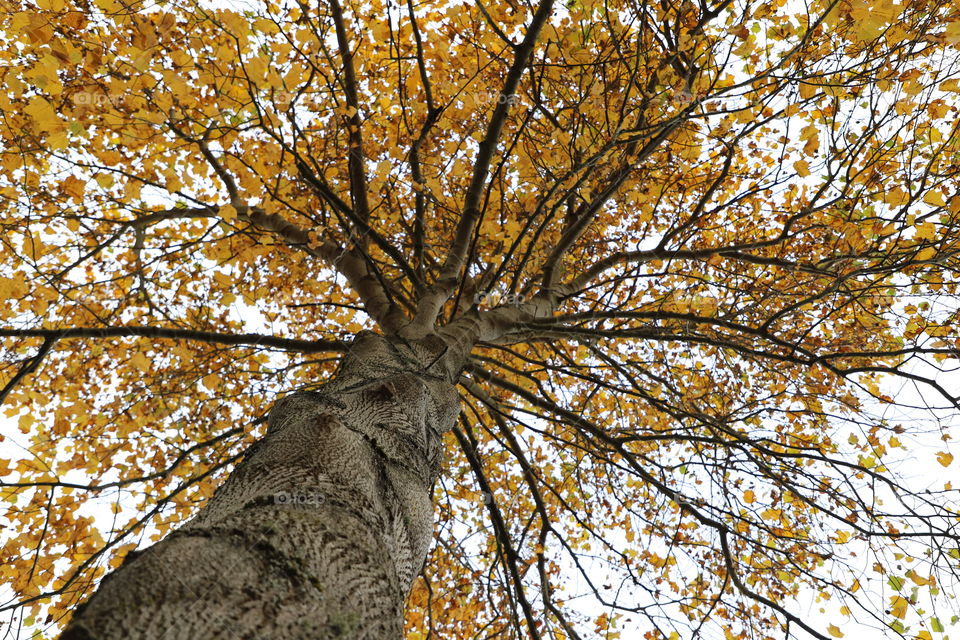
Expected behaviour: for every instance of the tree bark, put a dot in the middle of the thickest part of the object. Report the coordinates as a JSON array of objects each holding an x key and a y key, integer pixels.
[{"x": 320, "y": 531}]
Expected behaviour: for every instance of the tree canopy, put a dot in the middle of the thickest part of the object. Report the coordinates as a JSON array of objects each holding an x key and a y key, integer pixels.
[{"x": 698, "y": 243}]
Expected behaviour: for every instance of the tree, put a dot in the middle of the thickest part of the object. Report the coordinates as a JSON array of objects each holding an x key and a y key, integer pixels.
[{"x": 619, "y": 289}]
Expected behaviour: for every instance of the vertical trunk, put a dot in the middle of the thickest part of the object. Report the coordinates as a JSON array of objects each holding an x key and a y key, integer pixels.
[{"x": 319, "y": 532}]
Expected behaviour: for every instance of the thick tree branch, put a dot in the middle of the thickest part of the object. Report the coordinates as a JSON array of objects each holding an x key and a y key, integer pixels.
[
  {"x": 117, "y": 484},
  {"x": 511, "y": 558},
  {"x": 238, "y": 339},
  {"x": 355, "y": 158},
  {"x": 28, "y": 367},
  {"x": 431, "y": 303},
  {"x": 551, "y": 269},
  {"x": 353, "y": 266}
]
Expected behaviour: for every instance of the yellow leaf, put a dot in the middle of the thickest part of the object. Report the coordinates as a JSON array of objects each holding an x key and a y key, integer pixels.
[
  {"x": 808, "y": 132},
  {"x": 949, "y": 85},
  {"x": 212, "y": 382},
  {"x": 120, "y": 553},
  {"x": 705, "y": 305},
  {"x": 746, "y": 47},
  {"x": 925, "y": 231},
  {"x": 905, "y": 107},
  {"x": 952, "y": 33},
  {"x": 228, "y": 212},
  {"x": 937, "y": 109},
  {"x": 73, "y": 186},
  {"x": 109, "y": 6},
  {"x": 25, "y": 422},
  {"x": 895, "y": 196},
  {"x": 266, "y": 26},
  {"x": 58, "y": 140},
  {"x": 140, "y": 361},
  {"x": 872, "y": 17},
  {"x": 898, "y": 607},
  {"x": 944, "y": 458},
  {"x": 42, "y": 113},
  {"x": 802, "y": 168},
  {"x": 934, "y": 198},
  {"x": 749, "y": 497},
  {"x": 834, "y": 631},
  {"x": 918, "y": 579}
]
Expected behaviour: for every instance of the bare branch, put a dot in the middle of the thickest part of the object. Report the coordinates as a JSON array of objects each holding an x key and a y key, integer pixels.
[{"x": 28, "y": 367}]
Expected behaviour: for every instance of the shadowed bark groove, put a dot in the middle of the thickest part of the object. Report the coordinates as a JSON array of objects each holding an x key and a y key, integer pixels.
[{"x": 319, "y": 532}]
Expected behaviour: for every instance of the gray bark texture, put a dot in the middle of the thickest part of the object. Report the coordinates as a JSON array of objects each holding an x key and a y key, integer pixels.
[{"x": 322, "y": 528}]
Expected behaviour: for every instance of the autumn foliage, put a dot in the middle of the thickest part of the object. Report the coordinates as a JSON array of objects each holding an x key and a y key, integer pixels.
[{"x": 742, "y": 219}]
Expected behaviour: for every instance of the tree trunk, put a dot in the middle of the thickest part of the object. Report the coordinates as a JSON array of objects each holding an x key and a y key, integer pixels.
[{"x": 319, "y": 532}]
